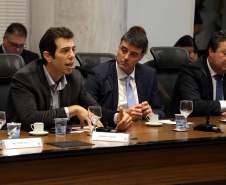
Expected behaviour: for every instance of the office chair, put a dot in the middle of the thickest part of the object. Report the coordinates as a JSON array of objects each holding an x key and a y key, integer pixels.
[
  {"x": 9, "y": 65},
  {"x": 168, "y": 62},
  {"x": 90, "y": 60}
]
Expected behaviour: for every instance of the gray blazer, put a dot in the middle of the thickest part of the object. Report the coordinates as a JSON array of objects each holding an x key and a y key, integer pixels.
[{"x": 29, "y": 97}]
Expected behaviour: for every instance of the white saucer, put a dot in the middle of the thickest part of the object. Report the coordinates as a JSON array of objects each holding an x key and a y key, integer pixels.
[
  {"x": 154, "y": 124},
  {"x": 180, "y": 130},
  {"x": 38, "y": 133}
]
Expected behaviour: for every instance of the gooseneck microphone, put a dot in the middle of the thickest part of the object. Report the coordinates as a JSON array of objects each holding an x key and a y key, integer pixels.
[
  {"x": 205, "y": 127},
  {"x": 89, "y": 71}
]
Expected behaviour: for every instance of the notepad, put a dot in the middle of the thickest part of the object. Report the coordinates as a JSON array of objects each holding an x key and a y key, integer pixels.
[{"x": 69, "y": 143}]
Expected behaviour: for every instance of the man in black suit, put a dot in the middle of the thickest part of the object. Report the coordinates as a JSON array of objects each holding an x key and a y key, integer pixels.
[
  {"x": 14, "y": 42},
  {"x": 192, "y": 84},
  {"x": 51, "y": 88}
]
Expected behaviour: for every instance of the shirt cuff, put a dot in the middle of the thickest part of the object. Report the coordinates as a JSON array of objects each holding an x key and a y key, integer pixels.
[
  {"x": 67, "y": 112},
  {"x": 223, "y": 105},
  {"x": 115, "y": 119}
]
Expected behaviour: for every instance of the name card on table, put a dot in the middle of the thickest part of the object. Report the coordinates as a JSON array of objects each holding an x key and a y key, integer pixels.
[
  {"x": 21, "y": 143},
  {"x": 107, "y": 136}
]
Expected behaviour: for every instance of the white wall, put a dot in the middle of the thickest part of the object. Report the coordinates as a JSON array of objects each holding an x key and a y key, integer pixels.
[
  {"x": 164, "y": 21},
  {"x": 99, "y": 24}
]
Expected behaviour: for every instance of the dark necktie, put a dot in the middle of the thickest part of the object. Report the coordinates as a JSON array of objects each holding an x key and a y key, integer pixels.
[
  {"x": 219, "y": 87},
  {"x": 130, "y": 93}
]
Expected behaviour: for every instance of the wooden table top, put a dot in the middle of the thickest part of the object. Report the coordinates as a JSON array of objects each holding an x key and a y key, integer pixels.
[{"x": 145, "y": 135}]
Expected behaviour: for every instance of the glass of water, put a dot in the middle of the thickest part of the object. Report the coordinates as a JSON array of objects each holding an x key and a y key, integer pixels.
[
  {"x": 94, "y": 113},
  {"x": 186, "y": 108},
  {"x": 2, "y": 119}
]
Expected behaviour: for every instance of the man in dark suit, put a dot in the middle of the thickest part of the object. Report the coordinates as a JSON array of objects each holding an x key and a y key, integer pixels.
[
  {"x": 192, "y": 84},
  {"x": 142, "y": 79},
  {"x": 14, "y": 42},
  {"x": 51, "y": 88}
]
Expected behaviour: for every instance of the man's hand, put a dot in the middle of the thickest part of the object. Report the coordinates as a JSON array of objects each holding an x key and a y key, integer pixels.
[
  {"x": 124, "y": 120},
  {"x": 146, "y": 109},
  {"x": 223, "y": 114},
  {"x": 135, "y": 112},
  {"x": 82, "y": 115}
]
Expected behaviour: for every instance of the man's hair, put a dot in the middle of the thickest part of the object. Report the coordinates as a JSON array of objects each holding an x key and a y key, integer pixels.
[
  {"x": 47, "y": 42},
  {"x": 17, "y": 29},
  {"x": 138, "y": 28},
  {"x": 136, "y": 38},
  {"x": 185, "y": 41},
  {"x": 217, "y": 37}
]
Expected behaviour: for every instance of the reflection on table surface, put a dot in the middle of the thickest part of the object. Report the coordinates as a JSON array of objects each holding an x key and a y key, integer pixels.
[{"x": 142, "y": 133}]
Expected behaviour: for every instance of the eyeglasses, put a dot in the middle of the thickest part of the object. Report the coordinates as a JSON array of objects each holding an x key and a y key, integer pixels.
[{"x": 15, "y": 46}]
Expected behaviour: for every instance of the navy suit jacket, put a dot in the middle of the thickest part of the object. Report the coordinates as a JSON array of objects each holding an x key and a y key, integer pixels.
[
  {"x": 192, "y": 84},
  {"x": 146, "y": 83},
  {"x": 28, "y": 56}
]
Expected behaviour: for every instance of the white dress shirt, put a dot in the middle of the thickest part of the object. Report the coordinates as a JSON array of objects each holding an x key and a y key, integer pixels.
[
  {"x": 214, "y": 82},
  {"x": 122, "y": 96}
]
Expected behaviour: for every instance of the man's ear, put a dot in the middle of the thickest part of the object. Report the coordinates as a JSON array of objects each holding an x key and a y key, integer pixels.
[
  {"x": 47, "y": 56},
  {"x": 210, "y": 50},
  {"x": 4, "y": 37}
]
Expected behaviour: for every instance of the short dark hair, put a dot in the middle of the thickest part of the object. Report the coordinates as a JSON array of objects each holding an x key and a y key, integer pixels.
[
  {"x": 47, "y": 42},
  {"x": 185, "y": 41},
  {"x": 138, "y": 28},
  {"x": 136, "y": 38},
  {"x": 217, "y": 37},
  {"x": 16, "y": 28}
]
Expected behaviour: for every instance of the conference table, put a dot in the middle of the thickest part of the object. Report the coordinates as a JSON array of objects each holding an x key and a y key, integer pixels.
[{"x": 154, "y": 155}]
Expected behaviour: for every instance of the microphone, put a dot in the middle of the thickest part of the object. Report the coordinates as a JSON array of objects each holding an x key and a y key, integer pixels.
[
  {"x": 205, "y": 127},
  {"x": 91, "y": 72}
]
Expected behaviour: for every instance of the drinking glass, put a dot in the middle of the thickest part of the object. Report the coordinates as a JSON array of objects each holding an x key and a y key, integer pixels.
[
  {"x": 2, "y": 119},
  {"x": 186, "y": 108},
  {"x": 94, "y": 113}
]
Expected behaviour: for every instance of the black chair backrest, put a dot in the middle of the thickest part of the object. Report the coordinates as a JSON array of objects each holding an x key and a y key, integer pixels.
[
  {"x": 168, "y": 62},
  {"x": 9, "y": 65},
  {"x": 90, "y": 60}
]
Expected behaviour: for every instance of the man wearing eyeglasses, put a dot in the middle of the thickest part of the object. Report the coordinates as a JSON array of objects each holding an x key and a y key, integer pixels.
[{"x": 14, "y": 41}]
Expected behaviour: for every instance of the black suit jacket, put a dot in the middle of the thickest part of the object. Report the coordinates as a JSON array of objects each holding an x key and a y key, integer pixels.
[
  {"x": 28, "y": 56},
  {"x": 192, "y": 84},
  {"x": 145, "y": 77},
  {"x": 29, "y": 97}
]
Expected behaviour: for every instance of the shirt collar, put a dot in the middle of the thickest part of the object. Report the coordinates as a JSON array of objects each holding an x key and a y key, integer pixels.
[
  {"x": 3, "y": 48},
  {"x": 122, "y": 74},
  {"x": 212, "y": 72},
  {"x": 62, "y": 83}
]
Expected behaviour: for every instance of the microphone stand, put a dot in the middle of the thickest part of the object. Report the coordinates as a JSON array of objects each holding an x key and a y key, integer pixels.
[{"x": 207, "y": 127}]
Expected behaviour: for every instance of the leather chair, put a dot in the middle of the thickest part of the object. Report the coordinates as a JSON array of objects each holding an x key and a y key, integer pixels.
[
  {"x": 168, "y": 62},
  {"x": 90, "y": 60},
  {"x": 9, "y": 65}
]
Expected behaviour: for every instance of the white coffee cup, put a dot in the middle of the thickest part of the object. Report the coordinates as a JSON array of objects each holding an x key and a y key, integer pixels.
[
  {"x": 37, "y": 127},
  {"x": 153, "y": 118}
]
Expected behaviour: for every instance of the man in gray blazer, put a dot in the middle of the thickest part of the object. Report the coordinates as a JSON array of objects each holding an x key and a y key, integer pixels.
[{"x": 51, "y": 88}]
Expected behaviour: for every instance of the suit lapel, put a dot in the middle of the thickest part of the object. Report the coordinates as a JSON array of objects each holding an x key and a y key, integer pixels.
[
  {"x": 139, "y": 84},
  {"x": 113, "y": 81},
  {"x": 65, "y": 95},
  {"x": 209, "y": 78},
  {"x": 44, "y": 87}
]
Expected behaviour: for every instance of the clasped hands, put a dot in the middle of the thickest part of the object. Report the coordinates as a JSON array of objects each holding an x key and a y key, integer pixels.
[{"x": 139, "y": 111}]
